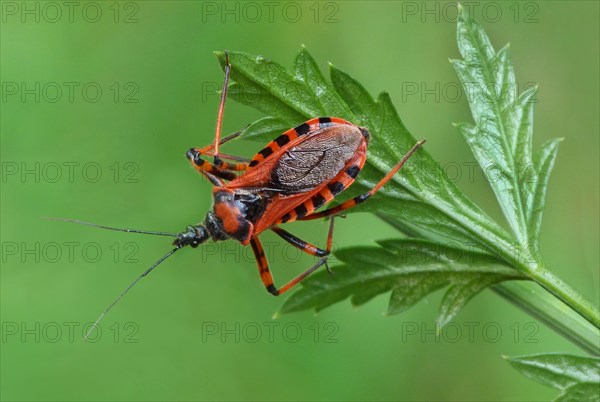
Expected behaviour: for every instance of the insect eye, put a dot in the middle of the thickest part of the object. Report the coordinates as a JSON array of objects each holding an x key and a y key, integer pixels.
[{"x": 192, "y": 154}]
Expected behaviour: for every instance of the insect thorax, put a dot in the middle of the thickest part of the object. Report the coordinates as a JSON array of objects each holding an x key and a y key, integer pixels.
[{"x": 233, "y": 213}]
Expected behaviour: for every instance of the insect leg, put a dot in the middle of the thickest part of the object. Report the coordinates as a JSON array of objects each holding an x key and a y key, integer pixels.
[
  {"x": 265, "y": 273},
  {"x": 222, "y": 166},
  {"x": 304, "y": 246},
  {"x": 363, "y": 197},
  {"x": 217, "y": 160},
  {"x": 209, "y": 149},
  {"x": 214, "y": 179},
  {"x": 226, "y": 171},
  {"x": 223, "y": 169}
]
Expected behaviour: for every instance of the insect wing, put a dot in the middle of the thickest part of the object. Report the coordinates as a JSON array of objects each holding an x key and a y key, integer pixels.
[{"x": 316, "y": 160}]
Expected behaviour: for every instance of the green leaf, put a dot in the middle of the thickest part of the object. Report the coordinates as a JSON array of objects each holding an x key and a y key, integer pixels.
[
  {"x": 331, "y": 104},
  {"x": 460, "y": 293},
  {"x": 411, "y": 269},
  {"x": 420, "y": 199},
  {"x": 544, "y": 161},
  {"x": 578, "y": 377},
  {"x": 264, "y": 130},
  {"x": 420, "y": 194},
  {"x": 580, "y": 392},
  {"x": 502, "y": 133},
  {"x": 268, "y": 87},
  {"x": 355, "y": 95}
]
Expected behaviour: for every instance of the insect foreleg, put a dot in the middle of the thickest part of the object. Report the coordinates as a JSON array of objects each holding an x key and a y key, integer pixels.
[{"x": 226, "y": 171}]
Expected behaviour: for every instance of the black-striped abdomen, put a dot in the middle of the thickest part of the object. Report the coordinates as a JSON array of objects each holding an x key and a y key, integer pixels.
[{"x": 307, "y": 128}]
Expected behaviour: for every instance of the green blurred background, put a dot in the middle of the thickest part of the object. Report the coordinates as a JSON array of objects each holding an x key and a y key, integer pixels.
[{"x": 200, "y": 326}]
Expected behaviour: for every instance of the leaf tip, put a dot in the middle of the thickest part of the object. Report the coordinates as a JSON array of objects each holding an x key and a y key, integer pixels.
[
  {"x": 442, "y": 320},
  {"x": 333, "y": 70},
  {"x": 456, "y": 63},
  {"x": 220, "y": 55},
  {"x": 462, "y": 13},
  {"x": 276, "y": 315},
  {"x": 505, "y": 49}
]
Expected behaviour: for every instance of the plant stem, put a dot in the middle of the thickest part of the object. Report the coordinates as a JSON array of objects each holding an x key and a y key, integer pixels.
[
  {"x": 571, "y": 315},
  {"x": 537, "y": 302},
  {"x": 553, "y": 284},
  {"x": 558, "y": 305},
  {"x": 567, "y": 294}
]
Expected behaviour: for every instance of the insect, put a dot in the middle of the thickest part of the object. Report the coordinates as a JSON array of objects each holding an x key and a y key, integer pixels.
[{"x": 288, "y": 180}]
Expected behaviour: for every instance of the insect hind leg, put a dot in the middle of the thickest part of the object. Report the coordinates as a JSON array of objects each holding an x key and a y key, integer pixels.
[
  {"x": 267, "y": 277},
  {"x": 263, "y": 265},
  {"x": 304, "y": 246}
]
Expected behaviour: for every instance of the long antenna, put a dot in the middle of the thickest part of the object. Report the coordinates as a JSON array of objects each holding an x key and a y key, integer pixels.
[
  {"x": 146, "y": 272},
  {"x": 111, "y": 228}
]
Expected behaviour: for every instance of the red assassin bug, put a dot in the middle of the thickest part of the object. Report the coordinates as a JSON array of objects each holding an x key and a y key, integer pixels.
[{"x": 291, "y": 177}]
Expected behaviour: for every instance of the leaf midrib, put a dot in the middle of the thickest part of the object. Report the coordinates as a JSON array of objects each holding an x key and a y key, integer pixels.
[{"x": 510, "y": 157}]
